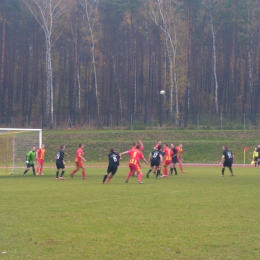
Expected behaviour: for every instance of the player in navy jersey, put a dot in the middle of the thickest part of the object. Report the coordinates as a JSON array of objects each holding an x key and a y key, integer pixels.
[
  {"x": 113, "y": 163},
  {"x": 155, "y": 158},
  {"x": 227, "y": 160},
  {"x": 60, "y": 163},
  {"x": 174, "y": 160}
]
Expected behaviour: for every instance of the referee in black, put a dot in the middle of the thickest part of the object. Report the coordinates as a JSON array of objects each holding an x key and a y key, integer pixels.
[
  {"x": 60, "y": 163},
  {"x": 113, "y": 163},
  {"x": 227, "y": 160}
]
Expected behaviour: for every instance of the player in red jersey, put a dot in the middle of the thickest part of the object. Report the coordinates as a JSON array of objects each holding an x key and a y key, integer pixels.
[
  {"x": 141, "y": 149},
  {"x": 78, "y": 161},
  {"x": 167, "y": 159},
  {"x": 40, "y": 159},
  {"x": 134, "y": 163},
  {"x": 179, "y": 149},
  {"x": 159, "y": 142},
  {"x": 140, "y": 143}
]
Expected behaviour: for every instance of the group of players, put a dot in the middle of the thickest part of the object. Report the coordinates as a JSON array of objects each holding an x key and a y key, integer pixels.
[
  {"x": 160, "y": 158},
  {"x": 32, "y": 156}
]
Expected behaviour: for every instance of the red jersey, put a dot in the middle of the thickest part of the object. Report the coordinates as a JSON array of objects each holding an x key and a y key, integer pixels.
[
  {"x": 167, "y": 154},
  {"x": 78, "y": 154},
  {"x": 135, "y": 156},
  {"x": 179, "y": 151},
  {"x": 156, "y": 146},
  {"x": 41, "y": 153}
]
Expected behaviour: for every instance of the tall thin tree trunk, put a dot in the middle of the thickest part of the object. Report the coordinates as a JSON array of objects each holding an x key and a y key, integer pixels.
[
  {"x": 49, "y": 89},
  {"x": 2, "y": 56},
  {"x": 214, "y": 61}
]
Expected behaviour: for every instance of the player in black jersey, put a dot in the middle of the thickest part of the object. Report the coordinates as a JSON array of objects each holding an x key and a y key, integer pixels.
[
  {"x": 227, "y": 160},
  {"x": 60, "y": 163},
  {"x": 113, "y": 163},
  {"x": 174, "y": 160},
  {"x": 258, "y": 150},
  {"x": 155, "y": 158}
]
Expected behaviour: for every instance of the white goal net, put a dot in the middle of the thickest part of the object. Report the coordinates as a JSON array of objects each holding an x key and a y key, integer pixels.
[{"x": 15, "y": 143}]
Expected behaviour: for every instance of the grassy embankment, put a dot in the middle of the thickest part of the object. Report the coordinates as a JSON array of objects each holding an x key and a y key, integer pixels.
[{"x": 200, "y": 146}]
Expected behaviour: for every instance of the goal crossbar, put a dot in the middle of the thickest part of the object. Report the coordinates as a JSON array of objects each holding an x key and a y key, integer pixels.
[
  {"x": 15, "y": 144},
  {"x": 24, "y": 129}
]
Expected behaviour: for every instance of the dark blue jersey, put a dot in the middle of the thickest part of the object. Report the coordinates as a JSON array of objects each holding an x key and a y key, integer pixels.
[
  {"x": 228, "y": 155},
  {"x": 113, "y": 158},
  {"x": 60, "y": 156},
  {"x": 174, "y": 152},
  {"x": 155, "y": 155}
]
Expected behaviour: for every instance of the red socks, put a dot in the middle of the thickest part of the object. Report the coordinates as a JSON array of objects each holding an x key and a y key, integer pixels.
[
  {"x": 140, "y": 176},
  {"x": 165, "y": 171},
  {"x": 129, "y": 175}
]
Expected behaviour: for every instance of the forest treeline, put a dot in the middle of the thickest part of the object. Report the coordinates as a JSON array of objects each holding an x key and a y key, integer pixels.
[{"x": 112, "y": 57}]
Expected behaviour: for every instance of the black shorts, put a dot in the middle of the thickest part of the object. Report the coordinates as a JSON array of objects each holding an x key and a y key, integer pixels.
[
  {"x": 155, "y": 163},
  {"x": 174, "y": 159},
  {"x": 227, "y": 164},
  {"x": 112, "y": 168},
  {"x": 29, "y": 165},
  {"x": 60, "y": 165}
]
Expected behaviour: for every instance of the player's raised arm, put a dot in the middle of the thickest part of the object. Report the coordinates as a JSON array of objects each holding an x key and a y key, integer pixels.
[
  {"x": 126, "y": 152},
  {"x": 141, "y": 144}
]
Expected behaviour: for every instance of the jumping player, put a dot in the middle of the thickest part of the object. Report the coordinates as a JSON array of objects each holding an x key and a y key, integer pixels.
[
  {"x": 159, "y": 142},
  {"x": 113, "y": 163},
  {"x": 78, "y": 161},
  {"x": 174, "y": 160},
  {"x": 60, "y": 163},
  {"x": 30, "y": 158},
  {"x": 135, "y": 156},
  {"x": 180, "y": 156},
  {"x": 40, "y": 158},
  {"x": 155, "y": 158},
  {"x": 141, "y": 149},
  {"x": 167, "y": 159},
  {"x": 140, "y": 143},
  {"x": 227, "y": 160}
]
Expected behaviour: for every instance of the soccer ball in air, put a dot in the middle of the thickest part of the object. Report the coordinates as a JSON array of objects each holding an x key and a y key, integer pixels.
[{"x": 162, "y": 92}]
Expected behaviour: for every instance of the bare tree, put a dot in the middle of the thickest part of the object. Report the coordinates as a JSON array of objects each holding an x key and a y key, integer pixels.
[
  {"x": 118, "y": 88},
  {"x": 47, "y": 12},
  {"x": 162, "y": 14},
  {"x": 90, "y": 12},
  {"x": 75, "y": 26},
  {"x": 210, "y": 6}
]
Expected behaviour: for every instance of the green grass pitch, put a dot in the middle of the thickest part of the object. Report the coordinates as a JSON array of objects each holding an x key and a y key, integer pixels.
[{"x": 195, "y": 215}]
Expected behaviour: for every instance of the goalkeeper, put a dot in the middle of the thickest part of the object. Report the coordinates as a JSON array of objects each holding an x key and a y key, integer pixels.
[{"x": 30, "y": 158}]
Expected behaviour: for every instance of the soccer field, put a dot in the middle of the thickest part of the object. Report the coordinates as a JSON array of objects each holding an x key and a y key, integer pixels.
[{"x": 195, "y": 215}]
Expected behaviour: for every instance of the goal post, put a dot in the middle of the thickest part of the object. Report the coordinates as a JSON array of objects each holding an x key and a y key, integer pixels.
[{"x": 15, "y": 143}]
